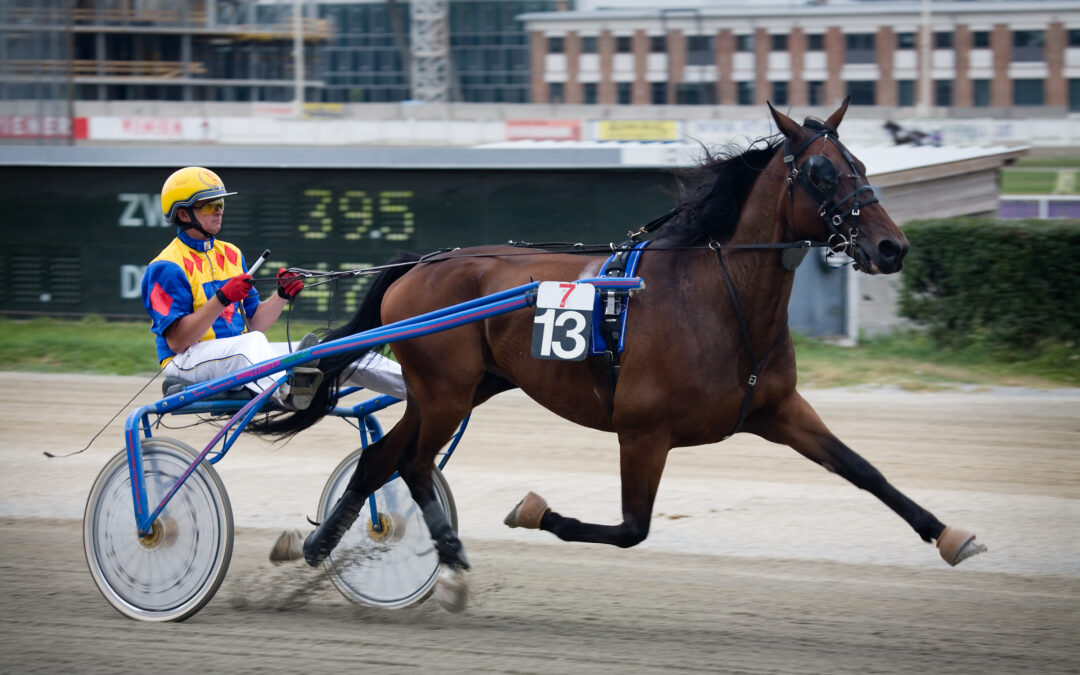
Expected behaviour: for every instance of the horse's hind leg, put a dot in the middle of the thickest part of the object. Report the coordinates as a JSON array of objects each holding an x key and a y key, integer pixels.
[
  {"x": 794, "y": 422},
  {"x": 642, "y": 458},
  {"x": 375, "y": 467},
  {"x": 415, "y": 465}
]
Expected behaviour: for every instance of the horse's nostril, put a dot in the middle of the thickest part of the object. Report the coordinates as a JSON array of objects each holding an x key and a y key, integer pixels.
[{"x": 890, "y": 250}]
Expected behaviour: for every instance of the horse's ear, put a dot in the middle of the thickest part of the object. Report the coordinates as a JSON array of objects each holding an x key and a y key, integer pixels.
[
  {"x": 834, "y": 119},
  {"x": 785, "y": 124}
]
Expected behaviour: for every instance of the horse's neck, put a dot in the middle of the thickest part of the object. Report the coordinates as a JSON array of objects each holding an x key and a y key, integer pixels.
[{"x": 761, "y": 283}]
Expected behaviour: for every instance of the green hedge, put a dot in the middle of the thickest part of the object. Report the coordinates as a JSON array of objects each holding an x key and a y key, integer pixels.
[{"x": 1012, "y": 284}]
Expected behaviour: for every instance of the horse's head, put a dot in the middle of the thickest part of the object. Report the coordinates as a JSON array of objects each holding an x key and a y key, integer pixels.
[{"x": 829, "y": 198}]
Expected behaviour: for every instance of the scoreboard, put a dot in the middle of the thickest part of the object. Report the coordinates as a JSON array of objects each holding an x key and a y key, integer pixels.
[{"x": 79, "y": 238}]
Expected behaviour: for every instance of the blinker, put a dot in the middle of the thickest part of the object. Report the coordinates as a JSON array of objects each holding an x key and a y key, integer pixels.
[{"x": 818, "y": 175}]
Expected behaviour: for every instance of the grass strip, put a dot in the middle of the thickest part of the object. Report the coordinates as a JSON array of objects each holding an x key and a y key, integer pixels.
[{"x": 909, "y": 360}]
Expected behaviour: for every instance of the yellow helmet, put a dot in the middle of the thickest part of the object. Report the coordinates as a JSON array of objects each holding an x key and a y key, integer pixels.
[{"x": 187, "y": 186}]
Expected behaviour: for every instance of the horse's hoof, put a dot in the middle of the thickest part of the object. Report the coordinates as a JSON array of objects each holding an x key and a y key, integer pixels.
[
  {"x": 957, "y": 545},
  {"x": 451, "y": 590},
  {"x": 289, "y": 546},
  {"x": 528, "y": 512}
]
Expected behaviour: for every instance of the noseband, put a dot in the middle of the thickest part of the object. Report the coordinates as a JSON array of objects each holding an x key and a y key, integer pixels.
[{"x": 817, "y": 176}]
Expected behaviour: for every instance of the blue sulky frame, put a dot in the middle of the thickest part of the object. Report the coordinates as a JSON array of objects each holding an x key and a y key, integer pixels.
[{"x": 192, "y": 399}]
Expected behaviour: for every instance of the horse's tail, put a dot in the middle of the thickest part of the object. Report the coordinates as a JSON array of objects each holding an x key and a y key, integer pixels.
[{"x": 286, "y": 424}]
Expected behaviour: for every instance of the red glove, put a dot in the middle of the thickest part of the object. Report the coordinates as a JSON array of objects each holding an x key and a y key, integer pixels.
[
  {"x": 235, "y": 289},
  {"x": 289, "y": 284}
]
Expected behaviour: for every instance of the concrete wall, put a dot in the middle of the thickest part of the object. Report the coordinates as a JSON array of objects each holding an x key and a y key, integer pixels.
[{"x": 468, "y": 124}]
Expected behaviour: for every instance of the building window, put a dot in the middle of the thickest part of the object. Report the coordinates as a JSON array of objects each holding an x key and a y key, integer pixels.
[
  {"x": 980, "y": 39},
  {"x": 555, "y": 45},
  {"x": 623, "y": 93},
  {"x": 780, "y": 93},
  {"x": 1028, "y": 45},
  {"x": 589, "y": 92},
  {"x": 1028, "y": 92},
  {"x": 943, "y": 93},
  {"x": 623, "y": 44},
  {"x": 905, "y": 41},
  {"x": 905, "y": 93},
  {"x": 1074, "y": 95},
  {"x": 658, "y": 44},
  {"x": 556, "y": 92},
  {"x": 859, "y": 48},
  {"x": 744, "y": 43},
  {"x": 861, "y": 92},
  {"x": 588, "y": 44},
  {"x": 1074, "y": 38},
  {"x": 779, "y": 43},
  {"x": 980, "y": 93},
  {"x": 695, "y": 93},
  {"x": 815, "y": 42},
  {"x": 744, "y": 93},
  {"x": 700, "y": 50},
  {"x": 815, "y": 92},
  {"x": 943, "y": 40},
  {"x": 658, "y": 93}
]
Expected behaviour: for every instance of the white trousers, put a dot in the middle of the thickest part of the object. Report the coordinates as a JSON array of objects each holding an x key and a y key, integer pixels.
[{"x": 215, "y": 358}]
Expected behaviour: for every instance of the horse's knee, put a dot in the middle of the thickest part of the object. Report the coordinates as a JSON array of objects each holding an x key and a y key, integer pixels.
[{"x": 632, "y": 534}]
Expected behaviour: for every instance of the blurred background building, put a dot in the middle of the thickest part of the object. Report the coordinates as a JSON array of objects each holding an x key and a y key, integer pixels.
[
  {"x": 355, "y": 128},
  {"x": 63, "y": 61}
]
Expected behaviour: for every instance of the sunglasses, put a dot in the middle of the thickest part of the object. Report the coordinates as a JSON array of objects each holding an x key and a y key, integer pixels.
[{"x": 210, "y": 208}]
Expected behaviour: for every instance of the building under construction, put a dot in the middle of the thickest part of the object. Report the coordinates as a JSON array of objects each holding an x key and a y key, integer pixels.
[{"x": 54, "y": 52}]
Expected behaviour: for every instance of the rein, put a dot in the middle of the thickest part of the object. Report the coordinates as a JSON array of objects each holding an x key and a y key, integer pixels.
[{"x": 751, "y": 381}]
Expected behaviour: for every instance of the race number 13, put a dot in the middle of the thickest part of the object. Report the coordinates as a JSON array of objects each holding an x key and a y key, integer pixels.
[{"x": 563, "y": 322}]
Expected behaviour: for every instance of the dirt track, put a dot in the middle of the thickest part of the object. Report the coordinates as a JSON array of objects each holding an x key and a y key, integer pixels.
[{"x": 758, "y": 561}]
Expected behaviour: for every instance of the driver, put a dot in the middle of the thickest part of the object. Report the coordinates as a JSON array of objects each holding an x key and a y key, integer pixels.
[{"x": 208, "y": 319}]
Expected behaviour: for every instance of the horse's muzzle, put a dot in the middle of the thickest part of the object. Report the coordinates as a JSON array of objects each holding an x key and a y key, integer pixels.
[{"x": 885, "y": 258}]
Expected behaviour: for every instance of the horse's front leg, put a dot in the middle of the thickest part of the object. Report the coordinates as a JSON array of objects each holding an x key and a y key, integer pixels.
[
  {"x": 794, "y": 422},
  {"x": 642, "y": 457}
]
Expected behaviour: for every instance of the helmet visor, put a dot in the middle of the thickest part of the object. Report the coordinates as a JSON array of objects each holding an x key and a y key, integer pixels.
[{"x": 211, "y": 207}]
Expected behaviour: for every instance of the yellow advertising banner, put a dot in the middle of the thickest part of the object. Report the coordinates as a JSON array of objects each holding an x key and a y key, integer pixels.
[
  {"x": 637, "y": 130},
  {"x": 324, "y": 109}
]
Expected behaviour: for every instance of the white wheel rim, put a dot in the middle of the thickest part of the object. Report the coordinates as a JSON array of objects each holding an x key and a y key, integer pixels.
[
  {"x": 161, "y": 578},
  {"x": 390, "y": 571}
]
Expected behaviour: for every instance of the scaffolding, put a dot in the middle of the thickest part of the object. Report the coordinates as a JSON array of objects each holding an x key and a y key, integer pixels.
[
  {"x": 430, "y": 50},
  {"x": 55, "y": 51}
]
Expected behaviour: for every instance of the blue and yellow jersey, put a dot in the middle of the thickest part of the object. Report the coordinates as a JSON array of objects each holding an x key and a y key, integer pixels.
[{"x": 183, "y": 277}]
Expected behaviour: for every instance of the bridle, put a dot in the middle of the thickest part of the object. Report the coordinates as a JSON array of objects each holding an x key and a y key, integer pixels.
[{"x": 818, "y": 176}]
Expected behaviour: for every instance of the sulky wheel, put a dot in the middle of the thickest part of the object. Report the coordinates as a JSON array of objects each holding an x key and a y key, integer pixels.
[
  {"x": 173, "y": 573},
  {"x": 394, "y": 565}
]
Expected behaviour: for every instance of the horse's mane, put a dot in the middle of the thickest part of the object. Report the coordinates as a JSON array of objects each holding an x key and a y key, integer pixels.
[{"x": 711, "y": 195}]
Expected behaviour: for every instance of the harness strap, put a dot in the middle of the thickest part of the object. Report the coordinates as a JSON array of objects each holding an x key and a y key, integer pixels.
[
  {"x": 751, "y": 381},
  {"x": 612, "y": 307}
]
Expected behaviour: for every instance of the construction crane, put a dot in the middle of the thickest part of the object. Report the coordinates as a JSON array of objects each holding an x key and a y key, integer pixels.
[{"x": 426, "y": 54}]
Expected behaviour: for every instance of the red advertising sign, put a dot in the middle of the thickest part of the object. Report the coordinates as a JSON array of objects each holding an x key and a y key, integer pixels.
[
  {"x": 543, "y": 130},
  {"x": 34, "y": 126}
]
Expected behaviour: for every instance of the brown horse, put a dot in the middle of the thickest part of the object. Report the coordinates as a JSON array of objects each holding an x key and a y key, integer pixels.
[{"x": 711, "y": 320}]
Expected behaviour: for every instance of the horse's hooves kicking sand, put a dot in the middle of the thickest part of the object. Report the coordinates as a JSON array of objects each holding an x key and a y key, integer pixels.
[
  {"x": 289, "y": 546},
  {"x": 957, "y": 545},
  {"x": 451, "y": 590},
  {"x": 528, "y": 512}
]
